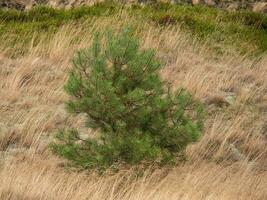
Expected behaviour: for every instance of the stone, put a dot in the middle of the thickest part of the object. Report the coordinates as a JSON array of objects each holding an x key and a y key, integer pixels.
[
  {"x": 210, "y": 2},
  {"x": 19, "y": 5},
  {"x": 196, "y": 2},
  {"x": 230, "y": 99},
  {"x": 233, "y": 6},
  {"x": 11, "y": 152},
  {"x": 235, "y": 154},
  {"x": 53, "y": 4},
  {"x": 60, "y": 115},
  {"x": 260, "y": 7}
]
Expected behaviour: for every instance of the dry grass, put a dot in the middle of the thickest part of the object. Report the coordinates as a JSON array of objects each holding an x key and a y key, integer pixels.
[{"x": 229, "y": 162}]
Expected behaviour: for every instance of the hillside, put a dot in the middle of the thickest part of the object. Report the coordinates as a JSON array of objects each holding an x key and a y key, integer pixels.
[
  {"x": 243, "y": 30},
  {"x": 219, "y": 56}
]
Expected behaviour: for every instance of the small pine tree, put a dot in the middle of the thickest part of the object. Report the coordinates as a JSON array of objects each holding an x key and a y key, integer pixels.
[{"x": 138, "y": 117}]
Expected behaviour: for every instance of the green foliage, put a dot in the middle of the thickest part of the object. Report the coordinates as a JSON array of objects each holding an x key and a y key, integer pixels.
[
  {"x": 139, "y": 118},
  {"x": 43, "y": 13},
  {"x": 244, "y": 30}
]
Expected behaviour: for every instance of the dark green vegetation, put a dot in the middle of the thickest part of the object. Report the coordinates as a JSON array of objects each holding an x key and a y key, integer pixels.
[
  {"x": 243, "y": 30},
  {"x": 139, "y": 118}
]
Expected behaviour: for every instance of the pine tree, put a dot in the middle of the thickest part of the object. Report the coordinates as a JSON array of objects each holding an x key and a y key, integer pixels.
[{"x": 138, "y": 117}]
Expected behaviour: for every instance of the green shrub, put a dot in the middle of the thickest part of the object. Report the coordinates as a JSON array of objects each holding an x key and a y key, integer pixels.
[
  {"x": 42, "y": 13},
  {"x": 220, "y": 29},
  {"x": 137, "y": 116}
]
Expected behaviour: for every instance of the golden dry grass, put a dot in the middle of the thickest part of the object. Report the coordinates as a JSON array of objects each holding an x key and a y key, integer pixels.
[{"x": 228, "y": 163}]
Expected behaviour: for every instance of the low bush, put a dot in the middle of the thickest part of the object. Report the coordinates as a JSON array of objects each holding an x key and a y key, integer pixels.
[
  {"x": 44, "y": 13},
  {"x": 139, "y": 117},
  {"x": 243, "y": 30}
]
